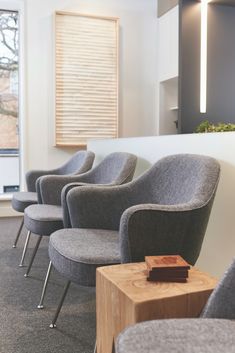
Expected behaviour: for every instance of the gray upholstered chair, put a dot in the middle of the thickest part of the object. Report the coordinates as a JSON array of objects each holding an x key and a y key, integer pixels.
[
  {"x": 213, "y": 332},
  {"x": 164, "y": 211},
  {"x": 79, "y": 163},
  {"x": 44, "y": 219}
]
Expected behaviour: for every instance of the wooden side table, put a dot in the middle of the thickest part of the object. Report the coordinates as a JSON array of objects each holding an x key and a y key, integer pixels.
[{"x": 124, "y": 297}]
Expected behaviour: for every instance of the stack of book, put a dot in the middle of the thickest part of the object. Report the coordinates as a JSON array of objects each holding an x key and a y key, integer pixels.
[{"x": 167, "y": 268}]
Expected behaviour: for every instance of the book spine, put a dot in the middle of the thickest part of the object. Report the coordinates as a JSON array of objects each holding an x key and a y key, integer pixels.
[
  {"x": 167, "y": 268},
  {"x": 169, "y": 273},
  {"x": 179, "y": 280}
]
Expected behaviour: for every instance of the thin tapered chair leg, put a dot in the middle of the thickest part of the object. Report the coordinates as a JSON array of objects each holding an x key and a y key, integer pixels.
[
  {"x": 18, "y": 234},
  {"x": 33, "y": 255},
  {"x": 95, "y": 349},
  {"x": 40, "y": 305},
  {"x": 53, "y": 323},
  {"x": 25, "y": 249},
  {"x": 113, "y": 347}
]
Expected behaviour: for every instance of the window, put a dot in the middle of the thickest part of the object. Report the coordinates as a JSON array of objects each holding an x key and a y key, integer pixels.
[
  {"x": 9, "y": 139},
  {"x": 86, "y": 78}
]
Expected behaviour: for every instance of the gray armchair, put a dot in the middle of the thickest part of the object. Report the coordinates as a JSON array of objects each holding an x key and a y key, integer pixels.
[
  {"x": 213, "y": 332},
  {"x": 79, "y": 163},
  {"x": 115, "y": 169},
  {"x": 44, "y": 219},
  {"x": 165, "y": 211}
]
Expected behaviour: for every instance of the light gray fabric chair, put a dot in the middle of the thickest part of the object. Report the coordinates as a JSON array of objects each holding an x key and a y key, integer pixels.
[
  {"x": 165, "y": 211},
  {"x": 221, "y": 303},
  {"x": 212, "y": 333},
  {"x": 79, "y": 163},
  {"x": 42, "y": 220},
  {"x": 178, "y": 336}
]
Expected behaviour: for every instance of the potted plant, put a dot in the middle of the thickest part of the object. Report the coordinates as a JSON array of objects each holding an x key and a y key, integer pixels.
[{"x": 206, "y": 126}]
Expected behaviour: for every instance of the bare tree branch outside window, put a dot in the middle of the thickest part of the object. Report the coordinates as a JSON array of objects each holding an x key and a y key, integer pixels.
[{"x": 9, "y": 60}]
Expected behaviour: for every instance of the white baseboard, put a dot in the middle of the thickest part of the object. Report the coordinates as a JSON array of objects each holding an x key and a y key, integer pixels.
[{"x": 8, "y": 212}]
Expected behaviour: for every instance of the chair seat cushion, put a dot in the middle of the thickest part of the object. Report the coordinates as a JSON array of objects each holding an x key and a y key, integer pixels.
[
  {"x": 76, "y": 253},
  {"x": 21, "y": 200},
  {"x": 43, "y": 219},
  {"x": 178, "y": 335}
]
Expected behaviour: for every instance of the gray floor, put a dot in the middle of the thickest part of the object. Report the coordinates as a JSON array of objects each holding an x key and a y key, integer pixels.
[{"x": 25, "y": 329}]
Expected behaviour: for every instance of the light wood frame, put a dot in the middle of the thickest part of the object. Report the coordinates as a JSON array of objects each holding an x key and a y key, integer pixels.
[{"x": 116, "y": 23}]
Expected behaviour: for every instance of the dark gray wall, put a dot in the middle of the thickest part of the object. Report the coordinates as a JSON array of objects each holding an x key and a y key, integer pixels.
[
  {"x": 221, "y": 65},
  {"x": 224, "y": 2}
]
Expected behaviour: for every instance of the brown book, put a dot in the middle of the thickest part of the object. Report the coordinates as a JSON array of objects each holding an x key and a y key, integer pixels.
[
  {"x": 180, "y": 280},
  {"x": 170, "y": 273},
  {"x": 169, "y": 262}
]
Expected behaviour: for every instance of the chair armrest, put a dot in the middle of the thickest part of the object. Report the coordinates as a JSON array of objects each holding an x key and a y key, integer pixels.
[
  {"x": 32, "y": 176},
  {"x": 38, "y": 190},
  {"x": 150, "y": 229},
  {"x": 100, "y": 206},
  {"x": 65, "y": 190},
  {"x": 64, "y": 193}
]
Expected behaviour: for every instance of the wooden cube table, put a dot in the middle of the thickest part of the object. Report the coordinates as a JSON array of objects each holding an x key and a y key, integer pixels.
[{"x": 124, "y": 297}]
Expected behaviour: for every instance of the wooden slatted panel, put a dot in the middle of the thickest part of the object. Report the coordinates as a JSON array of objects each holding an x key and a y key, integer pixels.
[{"x": 86, "y": 78}]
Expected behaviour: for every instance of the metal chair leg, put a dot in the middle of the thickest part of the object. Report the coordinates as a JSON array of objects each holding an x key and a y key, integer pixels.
[
  {"x": 40, "y": 305},
  {"x": 25, "y": 249},
  {"x": 33, "y": 255},
  {"x": 53, "y": 323},
  {"x": 18, "y": 233},
  {"x": 95, "y": 349},
  {"x": 113, "y": 347}
]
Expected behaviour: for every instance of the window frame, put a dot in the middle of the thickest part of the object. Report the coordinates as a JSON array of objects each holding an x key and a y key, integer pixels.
[{"x": 18, "y": 6}]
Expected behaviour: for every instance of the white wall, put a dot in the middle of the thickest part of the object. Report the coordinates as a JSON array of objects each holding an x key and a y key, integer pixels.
[
  {"x": 168, "y": 27},
  {"x": 138, "y": 71},
  {"x": 219, "y": 244}
]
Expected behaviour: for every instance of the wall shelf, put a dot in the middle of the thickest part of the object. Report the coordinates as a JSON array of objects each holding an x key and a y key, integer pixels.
[
  {"x": 168, "y": 69},
  {"x": 168, "y": 106}
]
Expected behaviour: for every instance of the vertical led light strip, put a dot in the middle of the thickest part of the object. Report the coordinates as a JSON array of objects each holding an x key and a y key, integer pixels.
[{"x": 203, "y": 83}]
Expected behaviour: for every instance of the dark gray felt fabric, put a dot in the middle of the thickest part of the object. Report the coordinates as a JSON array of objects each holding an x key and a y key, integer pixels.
[
  {"x": 21, "y": 200},
  {"x": 178, "y": 336},
  {"x": 117, "y": 168},
  {"x": 47, "y": 218},
  {"x": 221, "y": 303},
  {"x": 76, "y": 253},
  {"x": 145, "y": 228},
  {"x": 80, "y": 162},
  {"x": 166, "y": 210},
  {"x": 43, "y": 219}
]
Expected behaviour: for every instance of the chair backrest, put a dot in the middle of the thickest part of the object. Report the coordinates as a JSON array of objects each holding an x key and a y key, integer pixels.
[
  {"x": 183, "y": 187},
  {"x": 221, "y": 303},
  {"x": 79, "y": 163},
  {"x": 115, "y": 169},
  {"x": 179, "y": 179}
]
